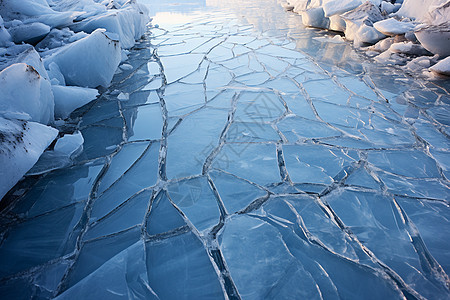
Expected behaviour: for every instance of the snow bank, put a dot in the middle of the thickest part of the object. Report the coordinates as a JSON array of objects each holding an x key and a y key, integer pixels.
[
  {"x": 21, "y": 144},
  {"x": 83, "y": 65}
]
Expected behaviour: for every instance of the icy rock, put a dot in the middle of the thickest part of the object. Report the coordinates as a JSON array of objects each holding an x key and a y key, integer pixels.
[
  {"x": 69, "y": 144},
  {"x": 435, "y": 38},
  {"x": 128, "y": 23},
  {"x": 393, "y": 27},
  {"x": 315, "y": 17},
  {"x": 69, "y": 98},
  {"x": 442, "y": 67},
  {"x": 21, "y": 145},
  {"x": 25, "y": 92},
  {"x": 359, "y": 24},
  {"x": 83, "y": 64},
  {"x": 29, "y": 33}
]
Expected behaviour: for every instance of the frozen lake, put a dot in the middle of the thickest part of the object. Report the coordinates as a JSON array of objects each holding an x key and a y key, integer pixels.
[{"x": 239, "y": 155}]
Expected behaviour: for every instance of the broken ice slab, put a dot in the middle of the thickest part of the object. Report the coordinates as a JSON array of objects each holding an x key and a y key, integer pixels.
[
  {"x": 358, "y": 87},
  {"x": 299, "y": 106},
  {"x": 258, "y": 107},
  {"x": 236, "y": 194},
  {"x": 317, "y": 163},
  {"x": 269, "y": 258},
  {"x": 322, "y": 251},
  {"x": 181, "y": 98},
  {"x": 193, "y": 140},
  {"x": 163, "y": 217},
  {"x": 99, "y": 141},
  {"x": 95, "y": 253},
  {"x": 195, "y": 198},
  {"x": 295, "y": 128},
  {"x": 360, "y": 177},
  {"x": 140, "y": 98},
  {"x": 378, "y": 223},
  {"x": 100, "y": 110},
  {"x": 142, "y": 175},
  {"x": 59, "y": 188},
  {"x": 122, "y": 276},
  {"x": 40, "y": 239},
  {"x": 254, "y": 162},
  {"x": 410, "y": 163},
  {"x": 144, "y": 122},
  {"x": 179, "y": 268},
  {"x": 128, "y": 214},
  {"x": 176, "y": 67},
  {"x": 240, "y": 132},
  {"x": 121, "y": 162},
  {"x": 341, "y": 115},
  {"x": 432, "y": 219}
]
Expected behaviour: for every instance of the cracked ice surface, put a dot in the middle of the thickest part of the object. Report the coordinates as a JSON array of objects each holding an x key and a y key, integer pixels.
[{"x": 242, "y": 158}]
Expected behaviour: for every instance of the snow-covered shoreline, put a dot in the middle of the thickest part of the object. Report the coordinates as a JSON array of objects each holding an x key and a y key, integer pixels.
[
  {"x": 54, "y": 56},
  {"x": 412, "y": 33}
]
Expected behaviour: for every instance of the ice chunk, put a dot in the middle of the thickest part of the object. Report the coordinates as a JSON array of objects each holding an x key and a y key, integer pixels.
[
  {"x": 421, "y": 9},
  {"x": 69, "y": 143},
  {"x": 128, "y": 23},
  {"x": 29, "y": 33},
  {"x": 442, "y": 67},
  {"x": 69, "y": 98},
  {"x": 25, "y": 91},
  {"x": 5, "y": 37},
  {"x": 82, "y": 64},
  {"x": 21, "y": 145},
  {"x": 393, "y": 27},
  {"x": 359, "y": 24},
  {"x": 337, "y": 7},
  {"x": 435, "y": 38},
  {"x": 315, "y": 17}
]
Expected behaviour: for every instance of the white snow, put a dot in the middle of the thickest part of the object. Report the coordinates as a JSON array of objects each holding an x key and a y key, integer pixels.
[
  {"x": 21, "y": 144},
  {"x": 69, "y": 98}
]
